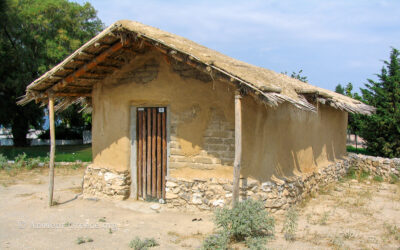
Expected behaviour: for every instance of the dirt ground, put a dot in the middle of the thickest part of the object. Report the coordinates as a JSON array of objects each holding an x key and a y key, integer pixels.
[{"x": 346, "y": 215}]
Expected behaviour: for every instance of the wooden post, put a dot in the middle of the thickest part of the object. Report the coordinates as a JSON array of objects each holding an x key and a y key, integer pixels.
[
  {"x": 52, "y": 149},
  {"x": 238, "y": 148}
]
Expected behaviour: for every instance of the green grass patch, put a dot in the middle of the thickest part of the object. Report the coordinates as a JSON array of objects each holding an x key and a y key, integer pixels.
[
  {"x": 65, "y": 153},
  {"x": 352, "y": 149},
  {"x": 378, "y": 178}
]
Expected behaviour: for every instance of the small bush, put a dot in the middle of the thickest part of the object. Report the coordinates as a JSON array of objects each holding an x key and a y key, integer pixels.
[
  {"x": 32, "y": 163},
  {"x": 20, "y": 160},
  {"x": 3, "y": 161},
  {"x": 290, "y": 225},
  {"x": 351, "y": 173},
  {"x": 364, "y": 175},
  {"x": 139, "y": 244},
  {"x": 393, "y": 179},
  {"x": 218, "y": 241},
  {"x": 256, "y": 243},
  {"x": 247, "y": 219},
  {"x": 378, "y": 178},
  {"x": 80, "y": 240},
  {"x": 324, "y": 218}
]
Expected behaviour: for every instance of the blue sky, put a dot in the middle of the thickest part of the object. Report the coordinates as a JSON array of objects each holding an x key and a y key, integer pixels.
[{"x": 333, "y": 42}]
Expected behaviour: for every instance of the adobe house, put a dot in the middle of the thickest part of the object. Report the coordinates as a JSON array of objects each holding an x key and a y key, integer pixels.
[{"x": 164, "y": 111}]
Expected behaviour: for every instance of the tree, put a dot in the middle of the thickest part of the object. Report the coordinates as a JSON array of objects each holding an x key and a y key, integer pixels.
[
  {"x": 354, "y": 120},
  {"x": 35, "y": 35},
  {"x": 382, "y": 130},
  {"x": 297, "y": 75}
]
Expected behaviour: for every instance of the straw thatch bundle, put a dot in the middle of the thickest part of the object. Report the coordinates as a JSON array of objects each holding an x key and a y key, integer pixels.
[{"x": 74, "y": 77}]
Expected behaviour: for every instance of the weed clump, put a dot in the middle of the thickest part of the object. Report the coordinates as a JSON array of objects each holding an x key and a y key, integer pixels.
[
  {"x": 290, "y": 225},
  {"x": 248, "y": 221},
  {"x": 145, "y": 244},
  {"x": 3, "y": 161},
  {"x": 393, "y": 179}
]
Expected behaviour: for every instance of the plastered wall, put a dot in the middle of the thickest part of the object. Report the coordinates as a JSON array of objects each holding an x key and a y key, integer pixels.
[
  {"x": 276, "y": 142},
  {"x": 285, "y": 141},
  {"x": 200, "y": 113}
]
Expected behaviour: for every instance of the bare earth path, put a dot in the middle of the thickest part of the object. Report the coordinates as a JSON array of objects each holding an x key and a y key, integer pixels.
[{"x": 349, "y": 214}]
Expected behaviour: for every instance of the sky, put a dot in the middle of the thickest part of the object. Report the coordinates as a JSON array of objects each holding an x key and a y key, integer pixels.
[{"x": 332, "y": 41}]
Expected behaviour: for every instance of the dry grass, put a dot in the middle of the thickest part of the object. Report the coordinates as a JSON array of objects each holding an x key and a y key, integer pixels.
[{"x": 350, "y": 214}]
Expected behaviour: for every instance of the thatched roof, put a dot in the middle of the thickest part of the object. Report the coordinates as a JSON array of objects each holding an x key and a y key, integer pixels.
[{"x": 72, "y": 79}]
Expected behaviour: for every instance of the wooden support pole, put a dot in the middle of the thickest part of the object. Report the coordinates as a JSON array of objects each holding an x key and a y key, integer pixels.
[
  {"x": 52, "y": 149},
  {"x": 238, "y": 148}
]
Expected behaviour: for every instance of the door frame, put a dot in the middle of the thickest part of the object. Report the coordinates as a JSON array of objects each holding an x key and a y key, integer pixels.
[{"x": 133, "y": 142}]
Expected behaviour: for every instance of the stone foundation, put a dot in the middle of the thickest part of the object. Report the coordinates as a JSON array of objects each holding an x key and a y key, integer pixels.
[
  {"x": 210, "y": 193},
  {"x": 206, "y": 194},
  {"x": 104, "y": 183}
]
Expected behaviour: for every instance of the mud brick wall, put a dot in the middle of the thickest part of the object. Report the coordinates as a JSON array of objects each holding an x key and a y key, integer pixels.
[{"x": 218, "y": 142}]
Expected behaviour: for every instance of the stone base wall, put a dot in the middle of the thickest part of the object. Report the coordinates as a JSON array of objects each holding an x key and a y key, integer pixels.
[
  {"x": 206, "y": 194},
  {"x": 210, "y": 193},
  {"x": 104, "y": 183}
]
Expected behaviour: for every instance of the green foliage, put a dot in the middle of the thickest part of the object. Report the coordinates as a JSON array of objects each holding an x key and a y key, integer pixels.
[
  {"x": 378, "y": 178},
  {"x": 351, "y": 173},
  {"x": 382, "y": 130},
  {"x": 22, "y": 161},
  {"x": 80, "y": 240},
  {"x": 35, "y": 35},
  {"x": 354, "y": 120},
  {"x": 364, "y": 175},
  {"x": 3, "y": 161},
  {"x": 297, "y": 75},
  {"x": 393, "y": 179},
  {"x": 291, "y": 223},
  {"x": 66, "y": 153},
  {"x": 355, "y": 174},
  {"x": 256, "y": 243},
  {"x": 218, "y": 241},
  {"x": 357, "y": 150},
  {"x": 139, "y": 244},
  {"x": 247, "y": 219}
]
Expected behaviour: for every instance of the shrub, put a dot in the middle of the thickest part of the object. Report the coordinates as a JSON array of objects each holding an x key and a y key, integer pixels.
[
  {"x": 351, "y": 173},
  {"x": 256, "y": 243},
  {"x": 139, "y": 244},
  {"x": 247, "y": 219},
  {"x": 3, "y": 161},
  {"x": 290, "y": 225},
  {"x": 378, "y": 178},
  {"x": 80, "y": 240},
  {"x": 393, "y": 179},
  {"x": 20, "y": 160},
  {"x": 364, "y": 175},
  {"x": 32, "y": 163},
  {"x": 218, "y": 241}
]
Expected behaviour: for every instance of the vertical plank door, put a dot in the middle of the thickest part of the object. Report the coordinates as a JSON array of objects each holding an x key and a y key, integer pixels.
[{"x": 151, "y": 152}]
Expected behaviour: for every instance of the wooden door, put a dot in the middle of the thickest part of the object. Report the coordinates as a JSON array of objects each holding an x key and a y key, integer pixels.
[{"x": 151, "y": 152}]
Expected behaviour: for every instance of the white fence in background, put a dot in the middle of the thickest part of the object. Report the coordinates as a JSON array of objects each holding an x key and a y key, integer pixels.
[
  {"x": 87, "y": 136},
  {"x": 41, "y": 142},
  {"x": 6, "y": 142}
]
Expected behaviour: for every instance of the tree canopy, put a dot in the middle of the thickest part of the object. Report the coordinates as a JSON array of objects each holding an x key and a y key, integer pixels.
[
  {"x": 35, "y": 35},
  {"x": 382, "y": 130}
]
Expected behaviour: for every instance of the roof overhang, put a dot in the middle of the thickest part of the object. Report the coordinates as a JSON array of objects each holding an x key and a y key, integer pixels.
[{"x": 72, "y": 80}]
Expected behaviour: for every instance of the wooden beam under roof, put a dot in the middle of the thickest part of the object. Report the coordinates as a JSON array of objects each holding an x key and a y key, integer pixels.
[{"x": 88, "y": 66}]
